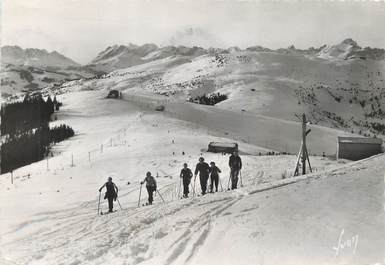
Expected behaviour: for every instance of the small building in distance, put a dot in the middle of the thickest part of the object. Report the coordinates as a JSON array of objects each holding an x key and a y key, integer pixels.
[
  {"x": 114, "y": 94},
  {"x": 218, "y": 147},
  {"x": 356, "y": 148}
]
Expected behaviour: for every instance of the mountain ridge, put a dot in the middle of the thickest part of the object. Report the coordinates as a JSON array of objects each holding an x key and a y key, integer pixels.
[{"x": 16, "y": 55}]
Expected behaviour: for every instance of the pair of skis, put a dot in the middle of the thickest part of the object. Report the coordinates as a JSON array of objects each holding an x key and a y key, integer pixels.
[
  {"x": 140, "y": 194},
  {"x": 100, "y": 212},
  {"x": 240, "y": 178}
]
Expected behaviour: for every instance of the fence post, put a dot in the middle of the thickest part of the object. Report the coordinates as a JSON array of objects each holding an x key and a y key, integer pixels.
[
  {"x": 47, "y": 164},
  {"x": 89, "y": 157},
  {"x": 101, "y": 148},
  {"x": 11, "y": 177},
  {"x": 72, "y": 160}
]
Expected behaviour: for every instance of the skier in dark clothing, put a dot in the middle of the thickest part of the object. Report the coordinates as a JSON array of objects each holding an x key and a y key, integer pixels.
[
  {"x": 204, "y": 169},
  {"x": 150, "y": 185},
  {"x": 235, "y": 164},
  {"x": 186, "y": 176},
  {"x": 111, "y": 193},
  {"x": 214, "y": 176}
]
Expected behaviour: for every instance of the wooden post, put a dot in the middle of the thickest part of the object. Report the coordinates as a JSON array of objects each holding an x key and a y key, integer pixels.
[
  {"x": 11, "y": 177},
  {"x": 72, "y": 160},
  {"x": 303, "y": 154},
  {"x": 303, "y": 144}
]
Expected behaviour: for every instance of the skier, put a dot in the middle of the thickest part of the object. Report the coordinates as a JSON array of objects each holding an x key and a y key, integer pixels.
[
  {"x": 186, "y": 176},
  {"x": 111, "y": 193},
  {"x": 214, "y": 176},
  {"x": 204, "y": 169},
  {"x": 235, "y": 164},
  {"x": 150, "y": 185}
]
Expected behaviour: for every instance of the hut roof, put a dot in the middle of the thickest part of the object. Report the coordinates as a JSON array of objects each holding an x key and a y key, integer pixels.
[{"x": 359, "y": 140}]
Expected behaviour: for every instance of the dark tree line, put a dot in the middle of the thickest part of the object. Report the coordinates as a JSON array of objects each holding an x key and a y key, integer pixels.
[
  {"x": 211, "y": 99},
  {"x": 60, "y": 133},
  {"x": 27, "y": 136},
  {"x": 32, "y": 112}
]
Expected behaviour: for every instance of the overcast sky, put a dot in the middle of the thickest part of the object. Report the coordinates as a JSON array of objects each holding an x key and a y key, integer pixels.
[{"x": 82, "y": 28}]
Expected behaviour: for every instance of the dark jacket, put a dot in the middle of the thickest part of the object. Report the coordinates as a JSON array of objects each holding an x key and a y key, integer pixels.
[
  {"x": 112, "y": 189},
  {"x": 150, "y": 182},
  {"x": 186, "y": 174},
  {"x": 203, "y": 169},
  {"x": 235, "y": 162},
  {"x": 215, "y": 171}
]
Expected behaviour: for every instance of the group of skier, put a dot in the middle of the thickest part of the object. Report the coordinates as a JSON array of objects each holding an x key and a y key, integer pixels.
[
  {"x": 211, "y": 172},
  {"x": 206, "y": 172}
]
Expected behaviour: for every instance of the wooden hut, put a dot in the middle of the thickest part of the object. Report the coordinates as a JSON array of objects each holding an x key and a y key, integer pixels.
[{"x": 356, "y": 148}]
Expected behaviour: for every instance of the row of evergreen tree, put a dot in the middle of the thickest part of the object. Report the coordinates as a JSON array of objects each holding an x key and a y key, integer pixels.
[
  {"x": 27, "y": 135},
  {"x": 32, "y": 112},
  {"x": 210, "y": 99},
  {"x": 31, "y": 146}
]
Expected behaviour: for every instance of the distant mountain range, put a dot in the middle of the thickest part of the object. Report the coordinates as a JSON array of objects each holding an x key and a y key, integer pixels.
[
  {"x": 121, "y": 56},
  {"x": 24, "y": 70},
  {"x": 33, "y": 69}
]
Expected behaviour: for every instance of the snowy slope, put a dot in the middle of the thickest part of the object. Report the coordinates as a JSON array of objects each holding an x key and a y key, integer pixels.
[
  {"x": 349, "y": 49},
  {"x": 335, "y": 93},
  {"x": 343, "y": 50},
  {"x": 21, "y": 79},
  {"x": 347, "y": 95},
  {"x": 121, "y": 56},
  {"x": 48, "y": 216}
]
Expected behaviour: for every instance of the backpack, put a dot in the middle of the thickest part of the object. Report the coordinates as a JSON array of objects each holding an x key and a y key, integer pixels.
[{"x": 151, "y": 181}]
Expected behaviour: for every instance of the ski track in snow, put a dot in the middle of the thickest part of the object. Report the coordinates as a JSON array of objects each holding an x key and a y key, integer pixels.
[{"x": 259, "y": 217}]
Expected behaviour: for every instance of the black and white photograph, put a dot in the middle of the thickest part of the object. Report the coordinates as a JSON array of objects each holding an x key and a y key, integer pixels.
[{"x": 197, "y": 132}]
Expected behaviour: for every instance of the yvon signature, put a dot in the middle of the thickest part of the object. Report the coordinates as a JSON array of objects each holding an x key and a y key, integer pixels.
[{"x": 350, "y": 243}]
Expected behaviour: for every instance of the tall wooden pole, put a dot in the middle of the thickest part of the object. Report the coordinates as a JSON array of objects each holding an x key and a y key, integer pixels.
[{"x": 304, "y": 152}]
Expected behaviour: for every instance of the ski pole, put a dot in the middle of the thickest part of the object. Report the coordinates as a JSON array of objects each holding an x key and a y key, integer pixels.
[
  {"x": 220, "y": 182},
  {"x": 119, "y": 204},
  {"x": 240, "y": 176},
  {"x": 228, "y": 184},
  {"x": 99, "y": 202},
  {"x": 194, "y": 186},
  {"x": 180, "y": 183},
  {"x": 160, "y": 196},
  {"x": 140, "y": 192}
]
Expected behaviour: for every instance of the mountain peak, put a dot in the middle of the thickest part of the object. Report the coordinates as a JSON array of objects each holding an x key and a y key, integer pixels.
[
  {"x": 349, "y": 41},
  {"x": 34, "y": 57}
]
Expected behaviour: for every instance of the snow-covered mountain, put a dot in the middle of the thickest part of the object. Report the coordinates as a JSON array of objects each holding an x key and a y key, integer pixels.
[
  {"x": 336, "y": 93},
  {"x": 30, "y": 69},
  {"x": 121, "y": 56},
  {"x": 34, "y": 57},
  {"x": 311, "y": 219},
  {"x": 349, "y": 49},
  {"x": 343, "y": 50}
]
